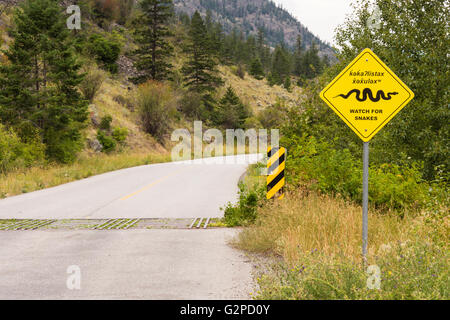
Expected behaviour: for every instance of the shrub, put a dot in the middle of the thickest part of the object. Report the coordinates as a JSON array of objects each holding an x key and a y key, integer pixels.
[
  {"x": 108, "y": 143},
  {"x": 273, "y": 79},
  {"x": 192, "y": 106},
  {"x": 245, "y": 211},
  {"x": 301, "y": 81},
  {"x": 125, "y": 101},
  {"x": 15, "y": 154},
  {"x": 240, "y": 71},
  {"x": 120, "y": 134},
  {"x": 92, "y": 83},
  {"x": 105, "y": 123},
  {"x": 157, "y": 106},
  {"x": 257, "y": 70},
  {"x": 288, "y": 84},
  {"x": 63, "y": 146},
  {"x": 106, "y": 51},
  {"x": 322, "y": 167},
  {"x": 273, "y": 116},
  {"x": 252, "y": 123}
]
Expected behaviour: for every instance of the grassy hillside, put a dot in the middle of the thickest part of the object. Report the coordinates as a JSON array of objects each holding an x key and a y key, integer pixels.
[
  {"x": 258, "y": 94},
  {"x": 116, "y": 98}
]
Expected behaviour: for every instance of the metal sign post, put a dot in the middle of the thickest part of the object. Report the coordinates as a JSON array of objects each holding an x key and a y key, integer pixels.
[{"x": 365, "y": 201}]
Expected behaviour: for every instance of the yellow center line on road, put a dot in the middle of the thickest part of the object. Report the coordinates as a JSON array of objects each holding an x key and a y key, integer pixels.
[{"x": 152, "y": 184}]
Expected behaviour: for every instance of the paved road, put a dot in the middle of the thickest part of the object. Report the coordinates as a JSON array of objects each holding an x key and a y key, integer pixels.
[
  {"x": 123, "y": 264},
  {"x": 129, "y": 264},
  {"x": 186, "y": 189}
]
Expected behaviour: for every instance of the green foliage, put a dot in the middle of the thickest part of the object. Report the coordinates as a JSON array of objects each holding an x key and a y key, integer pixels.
[
  {"x": 253, "y": 123},
  {"x": 109, "y": 137},
  {"x": 281, "y": 65},
  {"x": 125, "y": 9},
  {"x": 109, "y": 143},
  {"x": 323, "y": 167},
  {"x": 15, "y": 154},
  {"x": 91, "y": 83},
  {"x": 409, "y": 271},
  {"x": 157, "y": 107},
  {"x": 105, "y": 12},
  {"x": 38, "y": 88},
  {"x": 200, "y": 71},
  {"x": 413, "y": 41},
  {"x": 310, "y": 63},
  {"x": 398, "y": 187},
  {"x": 231, "y": 112},
  {"x": 105, "y": 50},
  {"x": 245, "y": 211},
  {"x": 120, "y": 134},
  {"x": 253, "y": 53},
  {"x": 151, "y": 33},
  {"x": 63, "y": 147},
  {"x": 273, "y": 79},
  {"x": 256, "y": 69},
  {"x": 273, "y": 116},
  {"x": 105, "y": 123},
  {"x": 192, "y": 106},
  {"x": 287, "y": 84}
]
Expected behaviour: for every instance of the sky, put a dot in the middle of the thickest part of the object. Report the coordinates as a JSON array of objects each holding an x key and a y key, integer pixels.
[{"x": 321, "y": 17}]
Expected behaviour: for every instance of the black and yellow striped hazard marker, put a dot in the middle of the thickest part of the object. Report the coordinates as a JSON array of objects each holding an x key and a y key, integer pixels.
[{"x": 276, "y": 164}]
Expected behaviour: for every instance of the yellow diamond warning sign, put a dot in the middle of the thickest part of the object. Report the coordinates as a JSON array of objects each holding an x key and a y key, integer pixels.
[{"x": 367, "y": 95}]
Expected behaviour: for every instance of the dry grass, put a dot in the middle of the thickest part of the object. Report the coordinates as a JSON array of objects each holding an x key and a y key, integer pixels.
[
  {"x": 89, "y": 164},
  {"x": 305, "y": 222},
  {"x": 28, "y": 180},
  {"x": 105, "y": 104},
  {"x": 257, "y": 93}
]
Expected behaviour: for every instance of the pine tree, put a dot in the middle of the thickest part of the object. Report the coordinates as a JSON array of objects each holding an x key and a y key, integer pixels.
[
  {"x": 287, "y": 83},
  {"x": 216, "y": 35},
  {"x": 261, "y": 42},
  {"x": 38, "y": 87},
  {"x": 298, "y": 57},
  {"x": 263, "y": 50},
  {"x": 200, "y": 71},
  {"x": 312, "y": 65},
  {"x": 281, "y": 65},
  {"x": 151, "y": 32},
  {"x": 256, "y": 69},
  {"x": 231, "y": 112}
]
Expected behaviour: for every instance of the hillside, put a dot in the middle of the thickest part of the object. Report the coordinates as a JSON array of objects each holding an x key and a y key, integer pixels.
[
  {"x": 251, "y": 15},
  {"x": 257, "y": 93},
  {"x": 116, "y": 96}
]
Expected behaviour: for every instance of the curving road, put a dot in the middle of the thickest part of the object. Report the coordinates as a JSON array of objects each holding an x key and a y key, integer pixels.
[{"x": 185, "y": 189}]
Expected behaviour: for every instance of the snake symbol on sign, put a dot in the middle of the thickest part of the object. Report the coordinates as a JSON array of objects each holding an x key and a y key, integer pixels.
[{"x": 367, "y": 93}]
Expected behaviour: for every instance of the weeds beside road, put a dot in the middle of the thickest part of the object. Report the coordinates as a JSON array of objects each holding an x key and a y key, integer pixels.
[{"x": 314, "y": 240}]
